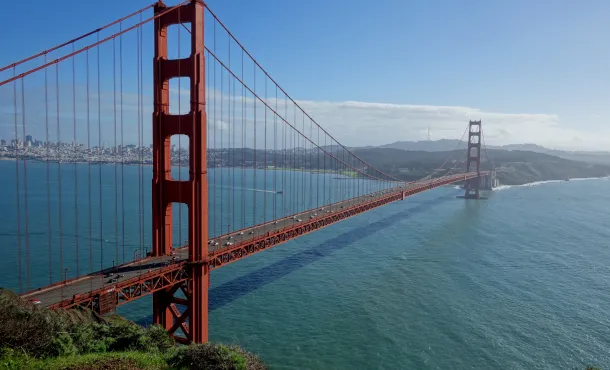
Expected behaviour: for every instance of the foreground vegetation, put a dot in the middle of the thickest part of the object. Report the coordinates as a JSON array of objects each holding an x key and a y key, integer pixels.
[{"x": 37, "y": 338}]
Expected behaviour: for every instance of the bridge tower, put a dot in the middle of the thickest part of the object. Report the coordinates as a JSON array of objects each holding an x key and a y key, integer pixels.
[
  {"x": 192, "y": 319},
  {"x": 473, "y": 160}
]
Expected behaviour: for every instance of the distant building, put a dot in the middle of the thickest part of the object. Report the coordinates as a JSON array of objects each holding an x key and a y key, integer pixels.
[
  {"x": 2, "y": 142},
  {"x": 28, "y": 140}
]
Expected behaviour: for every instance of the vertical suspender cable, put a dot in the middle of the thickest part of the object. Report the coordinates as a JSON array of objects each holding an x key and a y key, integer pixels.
[
  {"x": 48, "y": 168},
  {"x": 223, "y": 178},
  {"x": 141, "y": 151},
  {"x": 114, "y": 149},
  {"x": 75, "y": 147},
  {"x": 122, "y": 148},
  {"x": 214, "y": 151},
  {"x": 243, "y": 145},
  {"x": 59, "y": 204},
  {"x": 284, "y": 164},
  {"x": 323, "y": 172},
  {"x": 265, "y": 161},
  {"x": 18, "y": 196},
  {"x": 311, "y": 169},
  {"x": 275, "y": 159},
  {"x": 220, "y": 152},
  {"x": 232, "y": 130},
  {"x": 294, "y": 165},
  {"x": 90, "y": 199},
  {"x": 25, "y": 193},
  {"x": 139, "y": 147},
  {"x": 100, "y": 152},
  {"x": 229, "y": 177},
  {"x": 255, "y": 185}
]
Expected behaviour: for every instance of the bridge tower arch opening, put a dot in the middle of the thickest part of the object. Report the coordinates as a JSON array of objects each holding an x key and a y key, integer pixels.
[
  {"x": 473, "y": 160},
  {"x": 191, "y": 320}
]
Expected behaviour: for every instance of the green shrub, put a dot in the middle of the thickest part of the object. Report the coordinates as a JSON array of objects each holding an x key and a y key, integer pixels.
[
  {"x": 62, "y": 345},
  {"x": 160, "y": 338},
  {"x": 129, "y": 337},
  {"x": 211, "y": 356},
  {"x": 90, "y": 338},
  {"x": 27, "y": 328},
  {"x": 207, "y": 356}
]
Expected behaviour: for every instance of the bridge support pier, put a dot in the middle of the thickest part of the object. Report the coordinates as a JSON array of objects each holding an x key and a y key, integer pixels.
[
  {"x": 192, "y": 319},
  {"x": 473, "y": 159}
]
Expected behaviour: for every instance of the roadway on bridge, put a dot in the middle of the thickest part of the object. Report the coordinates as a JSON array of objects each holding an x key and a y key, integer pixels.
[{"x": 122, "y": 273}]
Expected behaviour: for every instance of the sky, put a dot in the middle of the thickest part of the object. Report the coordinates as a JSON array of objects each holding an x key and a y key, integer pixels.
[{"x": 372, "y": 73}]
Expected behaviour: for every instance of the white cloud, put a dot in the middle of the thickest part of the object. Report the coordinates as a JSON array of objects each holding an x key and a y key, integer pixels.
[
  {"x": 360, "y": 124},
  {"x": 352, "y": 123}
]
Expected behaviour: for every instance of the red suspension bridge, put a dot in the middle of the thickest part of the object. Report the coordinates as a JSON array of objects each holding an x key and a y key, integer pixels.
[{"x": 238, "y": 166}]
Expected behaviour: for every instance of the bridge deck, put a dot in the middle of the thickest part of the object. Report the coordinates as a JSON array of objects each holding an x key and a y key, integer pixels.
[{"x": 150, "y": 274}]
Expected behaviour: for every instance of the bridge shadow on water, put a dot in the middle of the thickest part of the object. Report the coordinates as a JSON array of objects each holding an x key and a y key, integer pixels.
[{"x": 228, "y": 292}]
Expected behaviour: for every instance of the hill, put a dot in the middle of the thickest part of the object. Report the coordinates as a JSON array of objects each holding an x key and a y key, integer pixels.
[
  {"x": 447, "y": 145},
  {"x": 514, "y": 167}
]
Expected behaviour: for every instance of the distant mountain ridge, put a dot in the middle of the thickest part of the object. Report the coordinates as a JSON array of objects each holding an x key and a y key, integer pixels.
[{"x": 451, "y": 144}]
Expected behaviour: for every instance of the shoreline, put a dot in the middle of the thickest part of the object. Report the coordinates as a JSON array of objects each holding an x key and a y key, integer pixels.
[
  {"x": 347, "y": 174},
  {"x": 543, "y": 182}
]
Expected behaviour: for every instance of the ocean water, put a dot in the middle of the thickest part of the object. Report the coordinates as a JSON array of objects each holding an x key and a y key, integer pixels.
[{"x": 517, "y": 281}]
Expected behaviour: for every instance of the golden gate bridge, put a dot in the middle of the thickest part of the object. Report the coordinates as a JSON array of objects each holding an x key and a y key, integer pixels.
[{"x": 246, "y": 178}]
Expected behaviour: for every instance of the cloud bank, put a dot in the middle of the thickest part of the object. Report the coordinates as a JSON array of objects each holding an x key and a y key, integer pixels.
[
  {"x": 361, "y": 124},
  {"x": 352, "y": 123}
]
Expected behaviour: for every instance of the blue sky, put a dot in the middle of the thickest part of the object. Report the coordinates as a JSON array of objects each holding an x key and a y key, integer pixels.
[{"x": 535, "y": 71}]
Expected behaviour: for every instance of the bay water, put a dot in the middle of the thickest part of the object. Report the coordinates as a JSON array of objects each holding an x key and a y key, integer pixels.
[{"x": 517, "y": 281}]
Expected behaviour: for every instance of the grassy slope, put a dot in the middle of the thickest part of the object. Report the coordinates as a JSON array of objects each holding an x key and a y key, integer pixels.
[{"x": 92, "y": 361}]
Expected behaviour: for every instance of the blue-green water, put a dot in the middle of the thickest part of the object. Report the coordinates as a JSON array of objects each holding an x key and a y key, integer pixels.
[{"x": 518, "y": 281}]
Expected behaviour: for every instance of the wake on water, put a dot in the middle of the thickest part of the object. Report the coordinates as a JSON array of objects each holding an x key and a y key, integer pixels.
[
  {"x": 244, "y": 189},
  {"x": 538, "y": 183}
]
